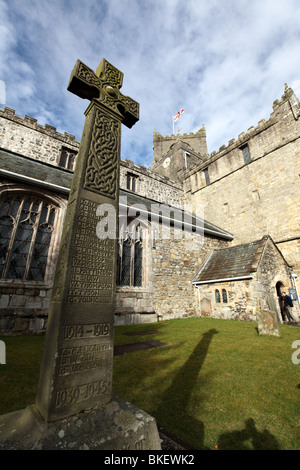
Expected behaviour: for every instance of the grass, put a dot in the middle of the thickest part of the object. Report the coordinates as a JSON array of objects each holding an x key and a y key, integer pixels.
[{"x": 215, "y": 382}]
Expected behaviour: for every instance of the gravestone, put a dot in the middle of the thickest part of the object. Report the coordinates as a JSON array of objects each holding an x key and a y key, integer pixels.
[
  {"x": 267, "y": 323},
  {"x": 74, "y": 405}
]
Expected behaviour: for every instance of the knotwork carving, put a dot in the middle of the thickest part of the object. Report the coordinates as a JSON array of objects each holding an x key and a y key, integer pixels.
[
  {"x": 88, "y": 75},
  {"x": 113, "y": 76},
  {"x": 102, "y": 163}
]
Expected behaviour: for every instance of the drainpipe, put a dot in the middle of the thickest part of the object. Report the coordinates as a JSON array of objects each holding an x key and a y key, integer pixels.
[{"x": 199, "y": 296}]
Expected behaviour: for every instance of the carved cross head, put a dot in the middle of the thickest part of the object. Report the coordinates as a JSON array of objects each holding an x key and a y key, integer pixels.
[{"x": 104, "y": 86}]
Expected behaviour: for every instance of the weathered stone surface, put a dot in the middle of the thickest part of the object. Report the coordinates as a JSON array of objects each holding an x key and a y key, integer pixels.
[
  {"x": 267, "y": 323},
  {"x": 76, "y": 373},
  {"x": 251, "y": 200},
  {"x": 245, "y": 297},
  {"x": 79, "y": 317},
  {"x": 116, "y": 426}
]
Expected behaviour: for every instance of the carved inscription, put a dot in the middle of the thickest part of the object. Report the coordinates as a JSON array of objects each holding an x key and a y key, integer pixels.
[
  {"x": 101, "y": 174},
  {"x": 92, "y": 271},
  {"x": 83, "y": 358},
  {"x": 137, "y": 445},
  {"x": 86, "y": 331},
  {"x": 83, "y": 392}
]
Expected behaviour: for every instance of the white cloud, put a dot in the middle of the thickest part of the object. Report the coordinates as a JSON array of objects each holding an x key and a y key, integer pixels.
[
  {"x": 295, "y": 85},
  {"x": 224, "y": 61}
]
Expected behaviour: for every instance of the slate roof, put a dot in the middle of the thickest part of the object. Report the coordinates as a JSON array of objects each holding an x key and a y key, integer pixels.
[
  {"x": 41, "y": 171},
  {"x": 178, "y": 215},
  {"x": 233, "y": 262}
]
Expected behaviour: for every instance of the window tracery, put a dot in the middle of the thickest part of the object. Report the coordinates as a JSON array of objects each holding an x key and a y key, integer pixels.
[{"x": 26, "y": 227}]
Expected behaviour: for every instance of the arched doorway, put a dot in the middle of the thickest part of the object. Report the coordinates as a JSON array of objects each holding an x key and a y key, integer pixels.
[{"x": 279, "y": 287}]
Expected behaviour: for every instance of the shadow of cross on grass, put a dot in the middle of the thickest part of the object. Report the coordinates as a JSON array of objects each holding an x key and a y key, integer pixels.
[
  {"x": 248, "y": 438},
  {"x": 178, "y": 394}
]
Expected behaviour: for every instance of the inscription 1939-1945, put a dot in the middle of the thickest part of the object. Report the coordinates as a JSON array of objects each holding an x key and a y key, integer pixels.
[{"x": 83, "y": 392}]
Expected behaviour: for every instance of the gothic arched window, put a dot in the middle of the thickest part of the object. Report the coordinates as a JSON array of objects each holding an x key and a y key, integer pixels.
[
  {"x": 130, "y": 259},
  {"x": 217, "y": 296},
  {"x": 224, "y": 296},
  {"x": 26, "y": 226}
]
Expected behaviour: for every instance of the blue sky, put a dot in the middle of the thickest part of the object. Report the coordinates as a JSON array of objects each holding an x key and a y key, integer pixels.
[{"x": 223, "y": 61}]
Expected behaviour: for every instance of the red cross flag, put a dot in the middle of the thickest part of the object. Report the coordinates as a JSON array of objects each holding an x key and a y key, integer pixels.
[{"x": 178, "y": 114}]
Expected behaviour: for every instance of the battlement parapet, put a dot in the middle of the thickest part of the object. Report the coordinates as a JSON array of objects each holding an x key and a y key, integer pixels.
[
  {"x": 243, "y": 137},
  {"x": 157, "y": 135},
  {"x": 32, "y": 123}
]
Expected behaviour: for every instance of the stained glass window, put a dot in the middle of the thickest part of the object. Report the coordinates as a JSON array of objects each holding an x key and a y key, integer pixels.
[
  {"x": 217, "y": 296},
  {"x": 26, "y": 227}
]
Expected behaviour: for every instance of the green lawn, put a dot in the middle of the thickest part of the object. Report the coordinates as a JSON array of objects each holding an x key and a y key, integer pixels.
[{"x": 215, "y": 382}]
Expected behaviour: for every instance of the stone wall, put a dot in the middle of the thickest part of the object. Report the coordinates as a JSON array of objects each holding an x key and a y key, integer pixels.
[
  {"x": 167, "y": 292},
  {"x": 273, "y": 269},
  {"x": 26, "y": 137},
  {"x": 174, "y": 265},
  {"x": 162, "y": 144},
  {"x": 151, "y": 185},
  {"x": 241, "y": 302},
  {"x": 253, "y": 199},
  {"x": 245, "y": 297}
]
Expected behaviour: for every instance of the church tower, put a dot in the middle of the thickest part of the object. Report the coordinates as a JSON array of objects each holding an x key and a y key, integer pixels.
[{"x": 176, "y": 154}]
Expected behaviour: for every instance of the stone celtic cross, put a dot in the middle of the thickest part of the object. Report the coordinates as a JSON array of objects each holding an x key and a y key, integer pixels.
[{"x": 76, "y": 371}]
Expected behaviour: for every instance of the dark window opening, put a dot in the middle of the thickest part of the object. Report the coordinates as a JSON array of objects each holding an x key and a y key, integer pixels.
[
  {"x": 67, "y": 159},
  {"x": 246, "y": 153},
  {"x": 131, "y": 182},
  {"x": 207, "y": 180}
]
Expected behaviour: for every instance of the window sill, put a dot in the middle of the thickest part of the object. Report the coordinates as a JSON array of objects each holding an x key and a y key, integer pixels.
[
  {"x": 131, "y": 289},
  {"x": 24, "y": 284}
]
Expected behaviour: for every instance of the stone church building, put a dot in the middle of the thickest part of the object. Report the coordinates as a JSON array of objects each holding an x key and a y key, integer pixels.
[{"x": 200, "y": 234}]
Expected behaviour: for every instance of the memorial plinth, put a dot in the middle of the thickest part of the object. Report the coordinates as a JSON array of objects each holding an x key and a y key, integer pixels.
[{"x": 77, "y": 366}]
